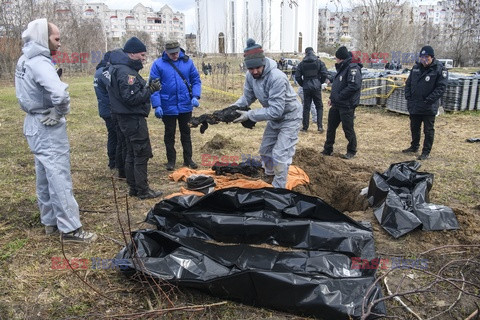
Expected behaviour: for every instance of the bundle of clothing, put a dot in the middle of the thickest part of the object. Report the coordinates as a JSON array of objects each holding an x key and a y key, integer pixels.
[
  {"x": 225, "y": 115},
  {"x": 250, "y": 167}
]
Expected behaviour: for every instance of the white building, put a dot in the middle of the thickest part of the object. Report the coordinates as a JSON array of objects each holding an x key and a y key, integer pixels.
[{"x": 223, "y": 26}]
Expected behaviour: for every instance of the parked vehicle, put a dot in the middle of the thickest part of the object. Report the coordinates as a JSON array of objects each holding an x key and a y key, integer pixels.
[{"x": 448, "y": 63}]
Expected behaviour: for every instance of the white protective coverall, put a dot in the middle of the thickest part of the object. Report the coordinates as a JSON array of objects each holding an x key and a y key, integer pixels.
[
  {"x": 38, "y": 88},
  {"x": 283, "y": 112}
]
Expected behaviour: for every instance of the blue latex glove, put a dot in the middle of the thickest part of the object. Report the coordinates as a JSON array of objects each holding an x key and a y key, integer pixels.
[
  {"x": 195, "y": 102},
  {"x": 158, "y": 112}
]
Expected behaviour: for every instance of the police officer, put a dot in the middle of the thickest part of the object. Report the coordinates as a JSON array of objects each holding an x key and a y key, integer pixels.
[
  {"x": 310, "y": 75},
  {"x": 425, "y": 85},
  {"x": 344, "y": 98},
  {"x": 130, "y": 100}
]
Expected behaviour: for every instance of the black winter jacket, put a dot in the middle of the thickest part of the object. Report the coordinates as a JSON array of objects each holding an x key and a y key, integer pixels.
[
  {"x": 424, "y": 88},
  {"x": 347, "y": 84},
  {"x": 311, "y": 73},
  {"x": 127, "y": 91}
]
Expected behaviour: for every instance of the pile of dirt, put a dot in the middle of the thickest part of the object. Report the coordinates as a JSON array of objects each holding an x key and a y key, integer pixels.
[
  {"x": 219, "y": 144},
  {"x": 333, "y": 179}
]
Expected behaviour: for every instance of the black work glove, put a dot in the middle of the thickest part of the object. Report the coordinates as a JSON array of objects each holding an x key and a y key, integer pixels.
[
  {"x": 154, "y": 85},
  {"x": 59, "y": 72}
]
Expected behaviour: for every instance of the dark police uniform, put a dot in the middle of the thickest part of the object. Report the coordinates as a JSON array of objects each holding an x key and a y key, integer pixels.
[
  {"x": 310, "y": 75},
  {"x": 423, "y": 89},
  {"x": 344, "y": 98},
  {"x": 130, "y": 102}
]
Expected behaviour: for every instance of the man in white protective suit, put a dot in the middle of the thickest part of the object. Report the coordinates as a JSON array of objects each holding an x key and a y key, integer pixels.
[
  {"x": 46, "y": 101},
  {"x": 280, "y": 108}
]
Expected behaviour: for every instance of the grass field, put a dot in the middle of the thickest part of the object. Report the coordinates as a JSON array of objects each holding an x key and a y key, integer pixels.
[{"x": 31, "y": 289}]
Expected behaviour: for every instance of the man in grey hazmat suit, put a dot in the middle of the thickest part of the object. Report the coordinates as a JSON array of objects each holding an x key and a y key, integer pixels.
[
  {"x": 46, "y": 101},
  {"x": 280, "y": 107}
]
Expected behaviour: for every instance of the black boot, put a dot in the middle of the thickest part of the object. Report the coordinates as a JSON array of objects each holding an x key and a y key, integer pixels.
[{"x": 189, "y": 163}]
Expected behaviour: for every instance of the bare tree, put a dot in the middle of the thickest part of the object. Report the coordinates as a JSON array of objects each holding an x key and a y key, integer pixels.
[{"x": 384, "y": 26}]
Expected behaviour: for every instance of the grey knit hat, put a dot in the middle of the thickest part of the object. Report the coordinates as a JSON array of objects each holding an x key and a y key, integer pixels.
[{"x": 253, "y": 55}]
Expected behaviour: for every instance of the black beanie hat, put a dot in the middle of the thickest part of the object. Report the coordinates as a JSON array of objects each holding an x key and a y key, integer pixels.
[
  {"x": 427, "y": 50},
  {"x": 308, "y": 50},
  {"x": 342, "y": 53},
  {"x": 253, "y": 55},
  {"x": 134, "y": 45}
]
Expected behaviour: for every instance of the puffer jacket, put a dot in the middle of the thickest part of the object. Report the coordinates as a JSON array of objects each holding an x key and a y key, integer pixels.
[
  {"x": 347, "y": 84},
  {"x": 311, "y": 73},
  {"x": 174, "y": 97},
  {"x": 37, "y": 84},
  {"x": 275, "y": 94},
  {"x": 127, "y": 89},
  {"x": 424, "y": 88}
]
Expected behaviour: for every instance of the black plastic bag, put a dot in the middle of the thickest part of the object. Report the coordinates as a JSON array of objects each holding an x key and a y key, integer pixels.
[
  {"x": 272, "y": 216},
  {"x": 311, "y": 283},
  {"x": 400, "y": 199},
  {"x": 212, "y": 243}
]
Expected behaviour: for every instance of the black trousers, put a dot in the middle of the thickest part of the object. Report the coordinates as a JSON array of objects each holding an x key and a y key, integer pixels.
[
  {"x": 139, "y": 151},
  {"x": 316, "y": 96},
  {"x": 345, "y": 116},
  {"x": 185, "y": 137},
  {"x": 111, "y": 140},
  {"x": 121, "y": 148},
  {"x": 428, "y": 130}
]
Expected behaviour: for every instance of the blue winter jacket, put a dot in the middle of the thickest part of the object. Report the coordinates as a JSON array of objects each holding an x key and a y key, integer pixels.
[{"x": 173, "y": 96}]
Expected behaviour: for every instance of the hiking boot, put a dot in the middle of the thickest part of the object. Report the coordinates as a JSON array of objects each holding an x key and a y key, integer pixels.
[
  {"x": 348, "y": 155},
  {"x": 190, "y": 164},
  {"x": 326, "y": 153},
  {"x": 423, "y": 156},
  {"x": 150, "y": 194},
  {"x": 170, "y": 166},
  {"x": 320, "y": 130},
  {"x": 410, "y": 150},
  {"x": 79, "y": 236},
  {"x": 51, "y": 230},
  {"x": 304, "y": 130}
]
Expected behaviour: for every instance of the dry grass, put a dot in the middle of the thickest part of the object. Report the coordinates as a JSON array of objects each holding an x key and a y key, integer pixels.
[{"x": 30, "y": 289}]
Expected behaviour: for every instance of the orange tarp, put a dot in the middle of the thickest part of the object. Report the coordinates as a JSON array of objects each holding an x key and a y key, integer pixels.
[{"x": 296, "y": 176}]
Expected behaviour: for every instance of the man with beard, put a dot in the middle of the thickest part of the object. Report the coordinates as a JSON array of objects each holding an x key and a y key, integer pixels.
[
  {"x": 46, "y": 101},
  {"x": 280, "y": 108}
]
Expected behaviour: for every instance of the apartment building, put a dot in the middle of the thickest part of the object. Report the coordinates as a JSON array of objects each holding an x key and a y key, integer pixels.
[{"x": 164, "y": 23}]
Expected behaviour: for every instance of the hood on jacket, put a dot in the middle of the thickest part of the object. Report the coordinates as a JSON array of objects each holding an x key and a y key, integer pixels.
[
  {"x": 310, "y": 57},
  {"x": 120, "y": 57},
  {"x": 269, "y": 66},
  {"x": 105, "y": 60},
  {"x": 35, "y": 39}
]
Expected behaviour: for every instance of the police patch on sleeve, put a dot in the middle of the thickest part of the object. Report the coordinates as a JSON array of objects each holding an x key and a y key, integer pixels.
[
  {"x": 131, "y": 79},
  {"x": 444, "y": 73}
]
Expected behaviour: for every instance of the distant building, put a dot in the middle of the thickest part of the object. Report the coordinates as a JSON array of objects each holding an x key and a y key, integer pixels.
[
  {"x": 165, "y": 23},
  {"x": 223, "y": 26},
  {"x": 335, "y": 27}
]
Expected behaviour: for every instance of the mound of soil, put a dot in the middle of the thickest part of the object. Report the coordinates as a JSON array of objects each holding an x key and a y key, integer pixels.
[{"x": 219, "y": 144}]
